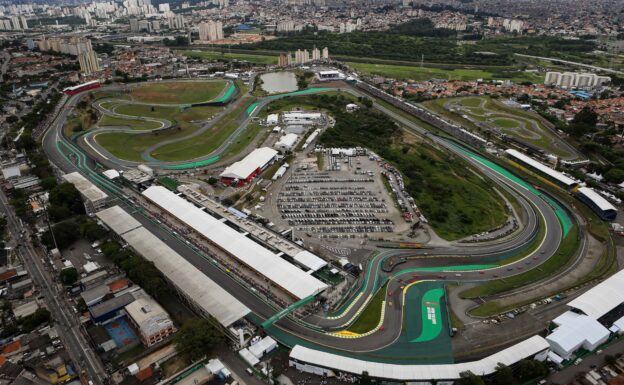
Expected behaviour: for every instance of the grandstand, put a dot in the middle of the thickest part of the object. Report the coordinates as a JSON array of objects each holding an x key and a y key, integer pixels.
[
  {"x": 605, "y": 210},
  {"x": 255, "y": 256},
  {"x": 200, "y": 292},
  {"x": 558, "y": 177}
]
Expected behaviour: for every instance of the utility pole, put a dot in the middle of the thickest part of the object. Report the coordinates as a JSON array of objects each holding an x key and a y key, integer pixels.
[{"x": 45, "y": 211}]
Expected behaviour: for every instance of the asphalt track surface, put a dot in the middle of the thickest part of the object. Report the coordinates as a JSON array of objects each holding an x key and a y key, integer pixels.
[{"x": 457, "y": 262}]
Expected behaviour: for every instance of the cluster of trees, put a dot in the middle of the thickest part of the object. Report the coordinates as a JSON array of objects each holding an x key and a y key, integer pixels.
[
  {"x": 65, "y": 202},
  {"x": 22, "y": 325},
  {"x": 70, "y": 230},
  {"x": 411, "y": 40},
  {"x": 524, "y": 371},
  {"x": 196, "y": 338},
  {"x": 69, "y": 276},
  {"x": 139, "y": 270},
  {"x": 179, "y": 41},
  {"x": 423, "y": 27}
]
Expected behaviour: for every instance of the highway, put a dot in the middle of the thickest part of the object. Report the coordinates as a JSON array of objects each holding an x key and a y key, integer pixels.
[{"x": 538, "y": 210}]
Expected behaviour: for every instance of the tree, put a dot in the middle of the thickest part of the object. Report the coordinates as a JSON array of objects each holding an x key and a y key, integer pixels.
[
  {"x": 196, "y": 338},
  {"x": 33, "y": 321},
  {"x": 503, "y": 375},
  {"x": 365, "y": 379},
  {"x": 615, "y": 175},
  {"x": 65, "y": 234},
  {"x": 92, "y": 231},
  {"x": 469, "y": 378},
  {"x": 69, "y": 276},
  {"x": 610, "y": 360},
  {"x": 65, "y": 195},
  {"x": 48, "y": 183},
  {"x": 530, "y": 369}
]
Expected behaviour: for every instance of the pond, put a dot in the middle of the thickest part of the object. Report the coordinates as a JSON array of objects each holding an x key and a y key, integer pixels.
[{"x": 277, "y": 82}]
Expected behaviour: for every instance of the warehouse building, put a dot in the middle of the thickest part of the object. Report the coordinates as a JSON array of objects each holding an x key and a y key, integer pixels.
[
  {"x": 575, "y": 331},
  {"x": 242, "y": 172},
  {"x": 301, "y": 118},
  {"x": 150, "y": 320},
  {"x": 605, "y": 210},
  {"x": 94, "y": 198},
  {"x": 594, "y": 315},
  {"x": 201, "y": 293},
  {"x": 287, "y": 142},
  {"x": 255, "y": 256}
]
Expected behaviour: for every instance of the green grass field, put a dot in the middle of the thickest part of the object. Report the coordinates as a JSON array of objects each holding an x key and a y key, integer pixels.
[
  {"x": 208, "y": 141},
  {"x": 426, "y": 73},
  {"x": 223, "y": 56},
  {"x": 506, "y": 123},
  {"x": 369, "y": 318},
  {"x": 552, "y": 265},
  {"x": 178, "y": 92},
  {"x": 130, "y": 147},
  {"x": 107, "y": 120}
]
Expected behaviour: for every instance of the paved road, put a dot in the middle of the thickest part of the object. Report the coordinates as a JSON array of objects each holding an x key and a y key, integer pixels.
[
  {"x": 534, "y": 205},
  {"x": 554, "y": 59},
  {"x": 68, "y": 327}
]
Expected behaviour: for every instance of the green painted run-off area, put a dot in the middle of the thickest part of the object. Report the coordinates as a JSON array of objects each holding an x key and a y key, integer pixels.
[{"x": 431, "y": 315}]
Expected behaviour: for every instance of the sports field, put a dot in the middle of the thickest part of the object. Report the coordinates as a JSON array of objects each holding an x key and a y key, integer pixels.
[
  {"x": 178, "y": 92},
  {"x": 417, "y": 73},
  {"x": 482, "y": 112}
]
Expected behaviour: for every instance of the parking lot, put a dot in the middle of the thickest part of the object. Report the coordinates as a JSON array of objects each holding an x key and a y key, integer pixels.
[{"x": 346, "y": 199}]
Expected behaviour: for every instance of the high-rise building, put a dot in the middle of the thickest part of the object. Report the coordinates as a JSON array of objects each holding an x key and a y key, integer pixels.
[
  {"x": 325, "y": 54},
  {"x": 88, "y": 62},
  {"x": 211, "y": 31},
  {"x": 282, "y": 60},
  {"x": 6, "y": 25},
  {"x": 316, "y": 54},
  {"x": 134, "y": 25},
  {"x": 569, "y": 80},
  {"x": 176, "y": 22},
  {"x": 144, "y": 25},
  {"x": 16, "y": 23},
  {"x": 23, "y": 22}
]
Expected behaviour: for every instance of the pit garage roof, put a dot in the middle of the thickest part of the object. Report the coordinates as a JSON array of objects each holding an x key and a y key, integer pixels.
[
  {"x": 118, "y": 220},
  {"x": 284, "y": 274},
  {"x": 309, "y": 260},
  {"x": 598, "y": 199},
  {"x": 206, "y": 294},
  {"x": 602, "y": 298},
  {"x": 86, "y": 188},
  {"x": 193, "y": 283},
  {"x": 243, "y": 168},
  {"x": 487, "y": 365},
  {"x": 567, "y": 181}
]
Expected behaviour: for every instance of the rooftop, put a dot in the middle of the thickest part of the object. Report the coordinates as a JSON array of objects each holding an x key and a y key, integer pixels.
[
  {"x": 286, "y": 275},
  {"x": 86, "y": 188}
]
